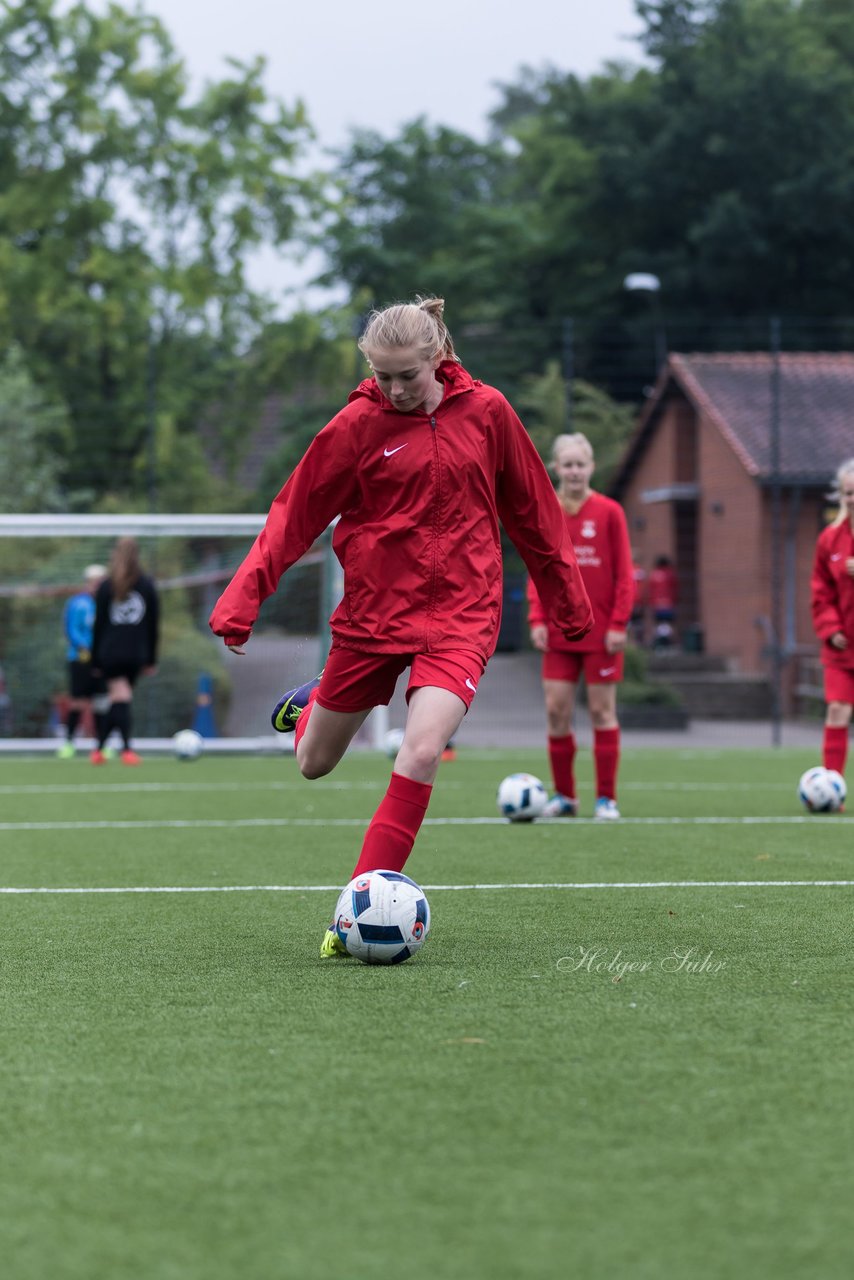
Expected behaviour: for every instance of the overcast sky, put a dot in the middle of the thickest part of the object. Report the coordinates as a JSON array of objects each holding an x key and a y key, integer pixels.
[{"x": 379, "y": 63}]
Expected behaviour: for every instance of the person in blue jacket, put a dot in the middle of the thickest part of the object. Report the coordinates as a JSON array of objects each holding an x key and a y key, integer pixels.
[{"x": 86, "y": 689}]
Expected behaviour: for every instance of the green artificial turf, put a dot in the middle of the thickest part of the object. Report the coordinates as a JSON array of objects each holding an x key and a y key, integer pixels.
[{"x": 628, "y": 1082}]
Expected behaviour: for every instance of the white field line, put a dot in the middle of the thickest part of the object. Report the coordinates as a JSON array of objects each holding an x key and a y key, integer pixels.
[
  {"x": 160, "y": 824},
  {"x": 299, "y": 784},
  {"x": 106, "y": 789},
  {"x": 440, "y": 888}
]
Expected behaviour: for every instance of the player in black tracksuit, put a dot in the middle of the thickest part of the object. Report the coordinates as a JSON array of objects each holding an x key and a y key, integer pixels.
[{"x": 124, "y": 640}]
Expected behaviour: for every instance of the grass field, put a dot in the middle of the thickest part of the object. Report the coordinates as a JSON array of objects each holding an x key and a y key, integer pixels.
[{"x": 625, "y": 1050}]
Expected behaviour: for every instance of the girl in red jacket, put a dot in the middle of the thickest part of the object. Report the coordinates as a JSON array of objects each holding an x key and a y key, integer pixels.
[
  {"x": 832, "y": 598},
  {"x": 420, "y": 465},
  {"x": 597, "y": 527}
]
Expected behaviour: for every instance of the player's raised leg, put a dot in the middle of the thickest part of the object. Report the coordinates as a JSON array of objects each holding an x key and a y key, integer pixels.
[{"x": 323, "y": 736}]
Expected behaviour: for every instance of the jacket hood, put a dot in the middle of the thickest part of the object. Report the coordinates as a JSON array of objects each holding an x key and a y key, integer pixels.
[{"x": 453, "y": 375}]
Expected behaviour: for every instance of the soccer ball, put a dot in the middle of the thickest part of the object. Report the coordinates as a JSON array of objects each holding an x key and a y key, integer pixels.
[
  {"x": 521, "y": 797},
  {"x": 822, "y": 790},
  {"x": 382, "y": 917},
  {"x": 392, "y": 742},
  {"x": 187, "y": 744}
]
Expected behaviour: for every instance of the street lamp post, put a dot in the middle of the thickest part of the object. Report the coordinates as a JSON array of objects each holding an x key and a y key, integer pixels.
[{"x": 646, "y": 282}]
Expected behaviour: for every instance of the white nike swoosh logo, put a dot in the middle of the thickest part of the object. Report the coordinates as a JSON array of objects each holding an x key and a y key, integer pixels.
[
  {"x": 837, "y": 556},
  {"x": 607, "y": 671},
  {"x": 388, "y": 452},
  {"x": 471, "y": 686}
]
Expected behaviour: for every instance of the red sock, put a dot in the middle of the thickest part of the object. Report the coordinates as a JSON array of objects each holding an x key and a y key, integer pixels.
[
  {"x": 606, "y": 757},
  {"x": 561, "y": 757},
  {"x": 302, "y": 719},
  {"x": 835, "y": 747},
  {"x": 394, "y": 826}
]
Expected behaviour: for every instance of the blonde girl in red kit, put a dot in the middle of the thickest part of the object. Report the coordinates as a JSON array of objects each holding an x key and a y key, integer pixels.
[
  {"x": 597, "y": 527},
  {"x": 832, "y": 599},
  {"x": 420, "y": 466}
]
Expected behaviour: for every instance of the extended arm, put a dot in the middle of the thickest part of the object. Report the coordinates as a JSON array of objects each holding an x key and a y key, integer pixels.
[{"x": 321, "y": 486}]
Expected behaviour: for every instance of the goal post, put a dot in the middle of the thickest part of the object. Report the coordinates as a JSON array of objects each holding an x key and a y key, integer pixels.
[{"x": 191, "y": 557}]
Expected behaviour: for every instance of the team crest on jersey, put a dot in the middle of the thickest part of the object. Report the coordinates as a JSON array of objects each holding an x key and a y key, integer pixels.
[
  {"x": 127, "y": 612},
  {"x": 588, "y": 529}
]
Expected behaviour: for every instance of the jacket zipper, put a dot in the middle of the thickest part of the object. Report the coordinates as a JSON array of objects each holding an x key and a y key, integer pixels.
[{"x": 434, "y": 568}]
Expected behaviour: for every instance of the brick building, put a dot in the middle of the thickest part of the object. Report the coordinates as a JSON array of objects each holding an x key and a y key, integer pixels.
[{"x": 697, "y": 481}]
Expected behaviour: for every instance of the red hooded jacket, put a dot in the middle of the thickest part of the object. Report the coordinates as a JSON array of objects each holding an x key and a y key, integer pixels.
[
  {"x": 832, "y": 593},
  {"x": 419, "y": 498}
]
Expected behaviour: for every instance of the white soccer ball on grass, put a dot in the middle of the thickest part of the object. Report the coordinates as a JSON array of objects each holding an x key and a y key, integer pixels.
[
  {"x": 187, "y": 744},
  {"x": 382, "y": 917},
  {"x": 822, "y": 790},
  {"x": 521, "y": 797}
]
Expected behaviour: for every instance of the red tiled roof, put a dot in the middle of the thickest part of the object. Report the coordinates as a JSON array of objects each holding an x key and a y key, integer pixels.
[{"x": 816, "y": 407}]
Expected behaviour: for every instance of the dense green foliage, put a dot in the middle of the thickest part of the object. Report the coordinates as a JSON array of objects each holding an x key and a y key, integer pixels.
[
  {"x": 723, "y": 167},
  {"x": 127, "y": 214},
  {"x": 130, "y": 211},
  {"x": 33, "y": 432}
]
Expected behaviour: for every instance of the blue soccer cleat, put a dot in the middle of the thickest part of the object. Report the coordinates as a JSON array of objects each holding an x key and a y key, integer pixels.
[
  {"x": 561, "y": 807},
  {"x": 291, "y": 705},
  {"x": 606, "y": 810}
]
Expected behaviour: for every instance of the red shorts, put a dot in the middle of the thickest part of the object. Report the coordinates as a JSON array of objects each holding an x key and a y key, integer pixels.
[
  {"x": 597, "y": 668},
  {"x": 356, "y": 681},
  {"x": 839, "y": 684}
]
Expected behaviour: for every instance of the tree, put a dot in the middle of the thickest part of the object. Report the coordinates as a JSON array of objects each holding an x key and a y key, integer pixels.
[
  {"x": 757, "y": 210},
  {"x": 32, "y": 432},
  {"x": 311, "y": 363},
  {"x": 421, "y": 213},
  {"x": 543, "y": 404},
  {"x": 724, "y": 169},
  {"x": 126, "y": 217}
]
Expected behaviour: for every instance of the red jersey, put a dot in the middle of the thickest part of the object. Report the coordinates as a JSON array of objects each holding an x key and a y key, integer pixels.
[
  {"x": 832, "y": 593},
  {"x": 639, "y": 597},
  {"x": 663, "y": 587},
  {"x": 600, "y": 537},
  {"x": 419, "y": 497}
]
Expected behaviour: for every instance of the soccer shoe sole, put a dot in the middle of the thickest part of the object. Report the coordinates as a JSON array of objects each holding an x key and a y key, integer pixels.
[{"x": 291, "y": 705}]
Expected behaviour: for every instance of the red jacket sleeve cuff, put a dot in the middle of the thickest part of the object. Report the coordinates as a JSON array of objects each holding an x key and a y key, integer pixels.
[{"x": 578, "y": 633}]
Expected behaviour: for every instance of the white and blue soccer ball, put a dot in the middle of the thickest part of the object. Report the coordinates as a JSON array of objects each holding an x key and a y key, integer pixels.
[
  {"x": 521, "y": 797},
  {"x": 187, "y": 744},
  {"x": 822, "y": 790},
  {"x": 382, "y": 917}
]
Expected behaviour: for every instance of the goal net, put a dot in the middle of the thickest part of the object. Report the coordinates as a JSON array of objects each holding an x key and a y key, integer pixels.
[{"x": 191, "y": 558}]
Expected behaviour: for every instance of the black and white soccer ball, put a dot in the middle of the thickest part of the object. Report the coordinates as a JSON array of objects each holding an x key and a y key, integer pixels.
[
  {"x": 382, "y": 917},
  {"x": 187, "y": 744},
  {"x": 822, "y": 790},
  {"x": 521, "y": 797}
]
